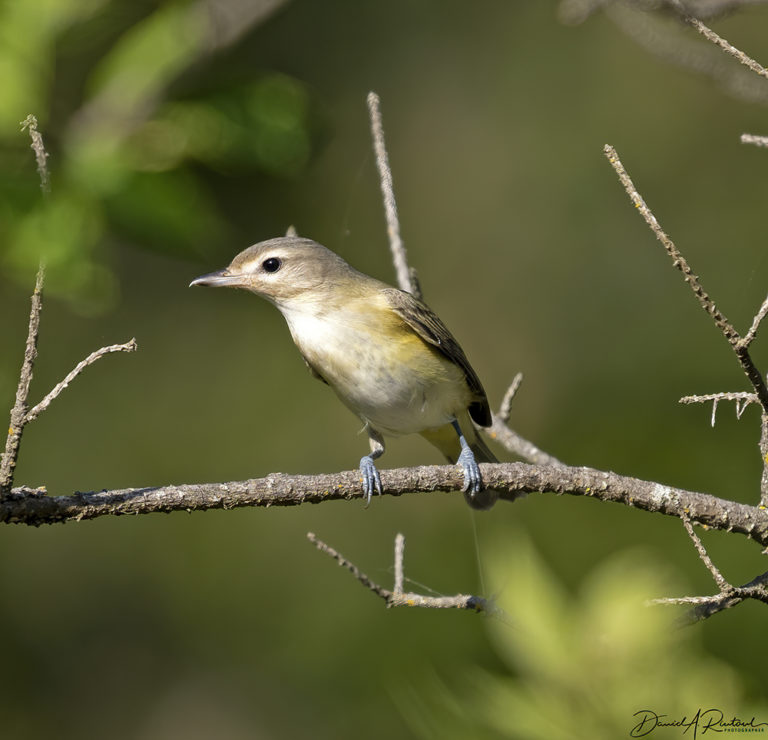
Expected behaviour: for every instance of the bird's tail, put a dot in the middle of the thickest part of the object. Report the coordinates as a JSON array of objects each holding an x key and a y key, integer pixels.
[{"x": 447, "y": 441}]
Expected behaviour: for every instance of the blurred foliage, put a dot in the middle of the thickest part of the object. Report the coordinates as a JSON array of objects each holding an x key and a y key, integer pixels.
[
  {"x": 125, "y": 155},
  {"x": 581, "y": 665}
]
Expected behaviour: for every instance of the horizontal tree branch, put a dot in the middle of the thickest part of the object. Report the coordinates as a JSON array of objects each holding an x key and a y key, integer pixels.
[{"x": 34, "y": 507}]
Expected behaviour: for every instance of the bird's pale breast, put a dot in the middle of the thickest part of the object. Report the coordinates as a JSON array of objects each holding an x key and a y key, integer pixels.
[{"x": 379, "y": 367}]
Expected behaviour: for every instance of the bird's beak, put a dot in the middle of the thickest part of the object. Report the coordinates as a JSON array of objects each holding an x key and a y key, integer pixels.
[{"x": 218, "y": 279}]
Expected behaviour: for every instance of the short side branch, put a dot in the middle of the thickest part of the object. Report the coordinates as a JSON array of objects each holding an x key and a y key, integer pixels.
[
  {"x": 510, "y": 439},
  {"x": 754, "y": 139},
  {"x": 727, "y": 47},
  {"x": 756, "y": 321},
  {"x": 406, "y": 276},
  {"x": 41, "y": 156},
  {"x": 741, "y": 399},
  {"x": 59, "y": 387},
  {"x": 398, "y": 597},
  {"x": 729, "y": 595},
  {"x": 19, "y": 410},
  {"x": 717, "y": 576},
  {"x": 739, "y": 345}
]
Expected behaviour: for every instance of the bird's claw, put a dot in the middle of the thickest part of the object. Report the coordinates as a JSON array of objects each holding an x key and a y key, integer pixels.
[
  {"x": 371, "y": 478},
  {"x": 477, "y": 495},
  {"x": 473, "y": 481}
]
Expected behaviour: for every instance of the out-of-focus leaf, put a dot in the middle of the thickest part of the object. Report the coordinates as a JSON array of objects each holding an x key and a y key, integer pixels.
[
  {"x": 27, "y": 35},
  {"x": 583, "y": 665},
  {"x": 265, "y": 124},
  {"x": 169, "y": 211}
]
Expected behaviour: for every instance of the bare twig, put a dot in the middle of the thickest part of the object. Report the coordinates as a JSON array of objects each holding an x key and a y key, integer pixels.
[
  {"x": 399, "y": 568},
  {"x": 727, "y": 47},
  {"x": 517, "y": 445},
  {"x": 742, "y": 396},
  {"x": 398, "y": 597},
  {"x": 764, "y": 456},
  {"x": 19, "y": 410},
  {"x": 511, "y": 480},
  {"x": 740, "y": 347},
  {"x": 33, "y": 413},
  {"x": 677, "y": 258},
  {"x": 654, "y": 33},
  {"x": 728, "y": 596},
  {"x": 406, "y": 278},
  {"x": 20, "y": 407},
  {"x": 754, "y": 139},
  {"x": 759, "y": 316},
  {"x": 351, "y": 567},
  {"x": 41, "y": 156},
  {"x": 577, "y": 11},
  {"x": 742, "y": 400},
  {"x": 509, "y": 438},
  {"x": 722, "y": 584},
  {"x": 506, "y": 403},
  {"x": 21, "y": 415}
]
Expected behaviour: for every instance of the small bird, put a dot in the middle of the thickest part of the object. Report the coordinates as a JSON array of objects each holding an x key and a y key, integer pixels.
[{"x": 385, "y": 353}]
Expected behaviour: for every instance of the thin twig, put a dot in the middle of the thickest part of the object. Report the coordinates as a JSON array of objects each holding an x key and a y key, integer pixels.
[
  {"x": 506, "y": 403},
  {"x": 742, "y": 400},
  {"x": 759, "y": 316},
  {"x": 722, "y": 584},
  {"x": 20, "y": 406},
  {"x": 728, "y": 596},
  {"x": 727, "y": 47},
  {"x": 754, "y": 139},
  {"x": 677, "y": 258},
  {"x": 509, "y": 438},
  {"x": 518, "y": 445},
  {"x": 725, "y": 396},
  {"x": 399, "y": 568},
  {"x": 41, "y": 156},
  {"x": 764, "y": 456},
  {"x": 398, "y": 597},
  {"x": 19, "y": 410},
  {"x": 351, "y": 567},
  {"x": 33, "y": 413},
  {"x": 734, "y": 339},
  {"x": 405, "y": 275}
]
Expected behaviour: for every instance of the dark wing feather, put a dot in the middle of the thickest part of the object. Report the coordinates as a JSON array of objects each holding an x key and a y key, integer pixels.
[{"x": 428, "y": 326}]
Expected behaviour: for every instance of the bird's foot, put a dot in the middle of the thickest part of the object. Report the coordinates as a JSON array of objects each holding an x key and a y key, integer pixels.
[
  {"x": 473, "y": 481},
  {"x": 371, "y": 478},
  {"x": 477, "y": 496}
]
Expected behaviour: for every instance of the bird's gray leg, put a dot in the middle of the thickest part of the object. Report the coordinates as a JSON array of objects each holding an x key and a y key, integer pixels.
[
  {"x": 473, "y": 482},
  {"x": 371, "y": 477}
]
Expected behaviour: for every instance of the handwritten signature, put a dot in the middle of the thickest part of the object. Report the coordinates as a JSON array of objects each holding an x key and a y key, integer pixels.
[{"x": 709, "y": 719}]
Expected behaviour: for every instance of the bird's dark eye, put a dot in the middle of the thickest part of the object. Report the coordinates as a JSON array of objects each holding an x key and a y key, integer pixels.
[{"x": 272, "y": 264}]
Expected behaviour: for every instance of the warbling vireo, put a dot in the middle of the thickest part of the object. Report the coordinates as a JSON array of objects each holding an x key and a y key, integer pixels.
[{"x": 387, "y": 356}]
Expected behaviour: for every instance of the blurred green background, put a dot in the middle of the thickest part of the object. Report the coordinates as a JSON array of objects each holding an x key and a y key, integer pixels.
[{"x": 181, "y": 132}]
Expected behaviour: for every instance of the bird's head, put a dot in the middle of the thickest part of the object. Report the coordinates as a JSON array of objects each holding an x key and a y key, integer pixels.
[{"x": 282, "y": 270}]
